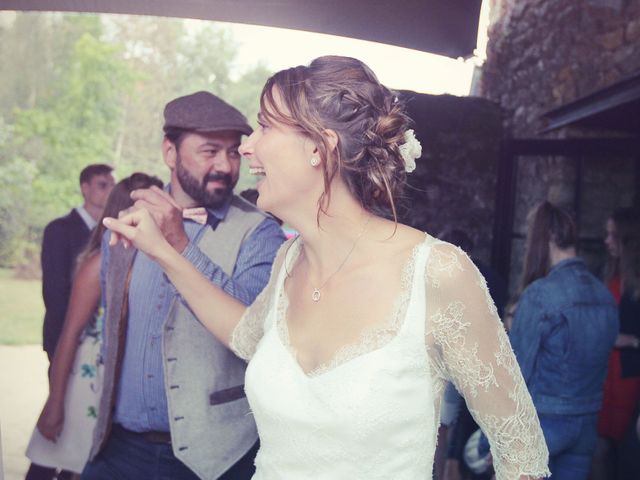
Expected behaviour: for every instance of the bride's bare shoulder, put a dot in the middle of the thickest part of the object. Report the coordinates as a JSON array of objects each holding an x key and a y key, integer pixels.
[
  {"x": 392, "y": 241},
  {"x": 400, "y": 235}
]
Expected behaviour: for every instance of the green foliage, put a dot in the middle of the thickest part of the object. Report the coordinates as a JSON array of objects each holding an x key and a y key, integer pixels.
[
  {"x": 23, "y": 310},
  {"x": 54, "y": 139},
  {"x": 15, "y": 181},
  {"x": 81, "y": 89}
]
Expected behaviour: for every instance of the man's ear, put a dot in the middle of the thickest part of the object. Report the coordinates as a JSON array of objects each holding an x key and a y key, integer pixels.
[
  {"x": 169, "y": 153},
  {"x": 84, "y": 189}
]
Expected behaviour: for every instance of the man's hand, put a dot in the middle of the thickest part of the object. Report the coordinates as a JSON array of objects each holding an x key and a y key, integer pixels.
[
  {"x": 138, "y": 228},
  {"x": 166, "y": 213}
]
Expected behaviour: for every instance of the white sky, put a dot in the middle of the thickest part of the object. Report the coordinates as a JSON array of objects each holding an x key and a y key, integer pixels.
[{"x": 396, "y": 67}]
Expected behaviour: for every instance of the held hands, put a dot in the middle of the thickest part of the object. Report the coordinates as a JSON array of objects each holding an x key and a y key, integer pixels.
[
  {"x": 138, "y": 228},
  {"x": 153, "y": 223},
  {"x": 51, "y": 420},
  {"x": 165, "y": 212}
]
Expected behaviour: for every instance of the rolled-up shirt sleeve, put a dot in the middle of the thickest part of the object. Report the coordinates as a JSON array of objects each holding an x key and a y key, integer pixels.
[{"x": 253, "y": 266}]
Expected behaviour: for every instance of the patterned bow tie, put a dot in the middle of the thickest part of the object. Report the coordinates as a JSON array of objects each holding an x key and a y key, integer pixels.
[{"x": 197, "y": 214}]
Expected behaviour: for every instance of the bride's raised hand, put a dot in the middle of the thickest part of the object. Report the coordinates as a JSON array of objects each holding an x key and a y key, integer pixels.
[{"x": 139, "y": 229}]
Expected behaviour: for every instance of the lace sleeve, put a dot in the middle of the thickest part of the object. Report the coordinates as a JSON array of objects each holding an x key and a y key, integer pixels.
[
  {"x": 250, "y": 328},
  {"x": 467, "y": 345}
]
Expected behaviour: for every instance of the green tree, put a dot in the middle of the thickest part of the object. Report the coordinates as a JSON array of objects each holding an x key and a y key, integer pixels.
[
  {"x": 35, "y": 50},
  {"x": 80, "y": 89},
  {"x": 53, "y": 141}
]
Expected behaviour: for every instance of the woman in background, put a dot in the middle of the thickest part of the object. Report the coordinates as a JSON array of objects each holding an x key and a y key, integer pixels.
[
  {"x": 622, "y": 387},
  {"x": 82, "y": 313},
  {"x": 563, "y": 331}
]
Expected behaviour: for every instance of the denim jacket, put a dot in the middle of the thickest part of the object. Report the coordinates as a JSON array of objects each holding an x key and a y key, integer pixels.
[{"x": 563, "y": 331}]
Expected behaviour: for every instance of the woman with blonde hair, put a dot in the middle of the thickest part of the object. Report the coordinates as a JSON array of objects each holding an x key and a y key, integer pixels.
[{"x": 364, "y": 319}]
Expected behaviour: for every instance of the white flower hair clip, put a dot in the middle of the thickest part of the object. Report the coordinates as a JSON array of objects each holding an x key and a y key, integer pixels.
[{"x": 410, "y": 150}]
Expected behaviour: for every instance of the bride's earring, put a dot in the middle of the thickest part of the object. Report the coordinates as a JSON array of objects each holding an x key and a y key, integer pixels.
[{"x": 315, "y": 161}]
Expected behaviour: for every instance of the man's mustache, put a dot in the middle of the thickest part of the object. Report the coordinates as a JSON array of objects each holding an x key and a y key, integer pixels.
[{"x": 217, "y": 177}]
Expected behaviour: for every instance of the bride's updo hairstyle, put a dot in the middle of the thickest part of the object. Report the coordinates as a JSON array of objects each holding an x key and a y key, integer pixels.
[{"x": 342, "y": 94}]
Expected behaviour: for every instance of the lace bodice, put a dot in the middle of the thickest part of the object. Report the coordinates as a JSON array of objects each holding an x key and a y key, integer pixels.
[
  {"x": 370, "y": 339},
  {"x": 464, "y": 342}
]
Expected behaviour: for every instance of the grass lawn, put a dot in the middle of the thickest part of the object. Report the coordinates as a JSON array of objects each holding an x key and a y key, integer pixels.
[{"x": 21, "y": 310}]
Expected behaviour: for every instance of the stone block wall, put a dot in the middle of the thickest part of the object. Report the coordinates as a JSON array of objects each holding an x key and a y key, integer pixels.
[
  {"x": 607, "y": 184},
  {"x": 541, "y": 55}
]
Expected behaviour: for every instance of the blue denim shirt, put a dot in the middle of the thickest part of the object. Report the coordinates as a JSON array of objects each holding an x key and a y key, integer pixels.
[
  {"x": 563, "y": 331},
  {"x": 141, "y": 398}
]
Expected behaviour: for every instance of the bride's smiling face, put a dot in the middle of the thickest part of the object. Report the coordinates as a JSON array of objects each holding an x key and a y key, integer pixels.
[{"x": 282, "y": 156}]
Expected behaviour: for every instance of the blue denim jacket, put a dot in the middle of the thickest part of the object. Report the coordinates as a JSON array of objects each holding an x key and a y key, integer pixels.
[{"x": 563, "y": 331}]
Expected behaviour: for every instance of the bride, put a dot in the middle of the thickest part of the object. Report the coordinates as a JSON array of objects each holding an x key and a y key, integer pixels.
[{"x": 364, "y": 320}]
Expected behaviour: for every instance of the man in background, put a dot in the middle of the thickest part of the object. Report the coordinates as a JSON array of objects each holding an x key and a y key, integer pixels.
[{"x": 62, "y": 241}]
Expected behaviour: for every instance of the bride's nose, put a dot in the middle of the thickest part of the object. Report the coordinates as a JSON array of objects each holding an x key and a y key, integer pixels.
[{"x": 246, "y": 148}]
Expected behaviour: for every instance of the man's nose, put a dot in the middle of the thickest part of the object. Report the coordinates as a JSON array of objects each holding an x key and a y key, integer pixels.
[{"x": 222, "y": 162}]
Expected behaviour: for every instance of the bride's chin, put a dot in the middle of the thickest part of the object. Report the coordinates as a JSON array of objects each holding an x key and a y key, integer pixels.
[
  {"x": 265, "y": 204},
  {"x": 260, "y": 201}
]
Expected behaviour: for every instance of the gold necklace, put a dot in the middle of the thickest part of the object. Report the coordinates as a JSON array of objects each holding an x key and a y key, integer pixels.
[{"x": 315, "y": 296}]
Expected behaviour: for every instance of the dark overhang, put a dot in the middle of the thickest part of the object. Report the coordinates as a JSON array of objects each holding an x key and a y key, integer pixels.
[
  {"x": 573, "y": 147},
  {"x": 616, "y": 107},
  {"x": 444, "y": 27}
]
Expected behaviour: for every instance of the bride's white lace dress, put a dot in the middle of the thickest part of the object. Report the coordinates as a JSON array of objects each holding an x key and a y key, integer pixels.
[{"x": 373, "y": 412}]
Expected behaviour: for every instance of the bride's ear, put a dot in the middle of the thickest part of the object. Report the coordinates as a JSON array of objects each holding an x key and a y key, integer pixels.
[{"x": 331, "y": 138}]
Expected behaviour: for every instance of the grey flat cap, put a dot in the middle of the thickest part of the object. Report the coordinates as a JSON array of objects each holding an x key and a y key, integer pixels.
[{"x": 204, "y": 112}]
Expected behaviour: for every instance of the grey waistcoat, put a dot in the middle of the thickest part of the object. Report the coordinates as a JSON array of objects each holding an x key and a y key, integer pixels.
[{"x": 211, "y": 425}]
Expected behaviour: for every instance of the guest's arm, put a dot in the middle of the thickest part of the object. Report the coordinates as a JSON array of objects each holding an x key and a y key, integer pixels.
[
  {"x": 625, "y": 340},
  {"x": 85, "y": 295}
]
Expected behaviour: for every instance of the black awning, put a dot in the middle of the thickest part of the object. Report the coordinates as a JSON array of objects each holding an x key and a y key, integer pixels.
[
  {"x": 616, "y": 107},
  {"x": 444, "y": 27}
]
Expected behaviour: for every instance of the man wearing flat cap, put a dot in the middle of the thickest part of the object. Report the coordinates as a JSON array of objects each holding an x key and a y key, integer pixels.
[{"x": 173, "y": 403}]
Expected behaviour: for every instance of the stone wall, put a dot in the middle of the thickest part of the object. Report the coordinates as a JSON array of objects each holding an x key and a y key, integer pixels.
[
  {"x": 607, "y": 184},
  {"x": 454, "y": 183},
  {"x": 543, "y": 54}
]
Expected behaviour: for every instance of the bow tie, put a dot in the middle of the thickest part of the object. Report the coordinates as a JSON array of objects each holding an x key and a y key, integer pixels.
[{"x": 197, "y": 214}]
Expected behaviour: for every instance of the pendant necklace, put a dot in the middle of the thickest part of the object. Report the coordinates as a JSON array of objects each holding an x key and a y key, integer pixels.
[{"x": 315, "y": 296}]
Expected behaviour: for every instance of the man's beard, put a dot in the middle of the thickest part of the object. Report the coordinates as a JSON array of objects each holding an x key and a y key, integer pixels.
[{"x": 197, "y": 190}]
